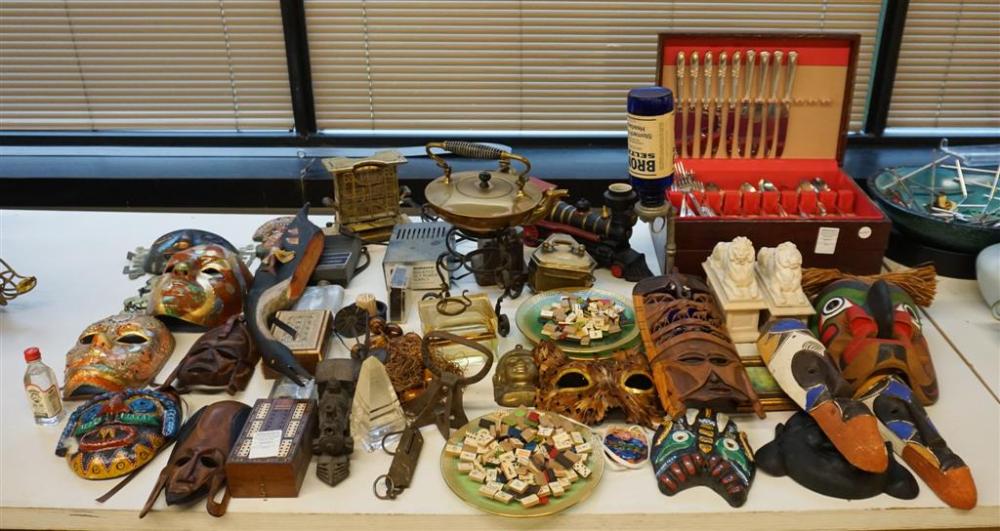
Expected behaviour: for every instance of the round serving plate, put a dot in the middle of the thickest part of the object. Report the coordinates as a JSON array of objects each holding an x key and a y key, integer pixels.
[
  {"x": 531, "y": 326},
  {"x": 468, "y": 489}
]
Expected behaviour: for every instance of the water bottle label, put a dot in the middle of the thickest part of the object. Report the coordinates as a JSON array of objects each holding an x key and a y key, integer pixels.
[
  {"x": 651, "y": 146},
  {"x": 45, "y": 403}
]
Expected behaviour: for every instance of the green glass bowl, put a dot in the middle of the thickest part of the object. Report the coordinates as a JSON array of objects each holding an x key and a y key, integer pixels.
[{"x": 531, "y": 326}]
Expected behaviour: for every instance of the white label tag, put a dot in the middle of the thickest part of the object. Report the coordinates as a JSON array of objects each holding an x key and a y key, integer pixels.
[
  {"x": 265, "y": 444},
  {"x": 826, "y": 240}
]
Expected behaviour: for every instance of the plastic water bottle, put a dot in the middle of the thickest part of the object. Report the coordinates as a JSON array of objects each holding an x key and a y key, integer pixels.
[{"x": 43, "y": 389}]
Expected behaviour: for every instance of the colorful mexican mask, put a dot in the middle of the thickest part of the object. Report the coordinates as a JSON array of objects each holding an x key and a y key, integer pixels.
[
  {"x": 905, "y": 424},
  {"x": 152, "y": 261},
  {"x": 703, "y": 447},
  {"x": 872, "y": 329},
  {"x": 584, "y": 390},
  {"x": 803, "y": 452},
  {"x": 203, "y": 285},
  {"x": 116, "y": 433},
  {"x": 694, "y": 363},
  {"x": 799, "y": 364},
  {"x": 196, "y": 468},
  {"x": 515, "y": 380},
  {"x": 222, "y": 358},
  {"x": 124, "y": 351}
]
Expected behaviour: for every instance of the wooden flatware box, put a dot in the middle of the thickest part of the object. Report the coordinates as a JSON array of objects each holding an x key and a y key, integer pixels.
[
  {"x": 272, "y": 453},
  {"x": 837, "y": 227}
]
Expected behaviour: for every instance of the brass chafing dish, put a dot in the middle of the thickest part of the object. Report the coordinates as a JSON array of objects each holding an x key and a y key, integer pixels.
[{"x": 484, "y": 202}]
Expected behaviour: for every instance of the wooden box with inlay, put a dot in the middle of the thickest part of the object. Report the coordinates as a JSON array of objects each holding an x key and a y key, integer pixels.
[{"x": 272, "y": 453}]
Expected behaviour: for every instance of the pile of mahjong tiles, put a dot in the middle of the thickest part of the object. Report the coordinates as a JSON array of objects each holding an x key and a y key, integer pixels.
[
  {"x": 524, "y": 455},
  {"x": 581, "y": 319}
]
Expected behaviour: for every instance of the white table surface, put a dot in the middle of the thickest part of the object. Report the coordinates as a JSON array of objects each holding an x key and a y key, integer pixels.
[{"x": 78, "y": 258}]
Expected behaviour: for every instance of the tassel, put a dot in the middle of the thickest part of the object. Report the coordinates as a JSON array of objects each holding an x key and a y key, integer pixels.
[{"x": 920, "y": 282}]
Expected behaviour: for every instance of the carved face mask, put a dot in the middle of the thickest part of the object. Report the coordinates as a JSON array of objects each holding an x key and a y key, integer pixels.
[
  {"x": 196, "y": 468},
  {"x": 203, "y": 285},
  {"x": 587, "y": 390},
  {"x": 153, "y": 260},
  {"x": 802, "y": 451},
  {"x": 703, "y": 447},
  {"x": 222, "y": 358},
  {"x": 799, "y": 364},
  {"x": 116, "y": 433},
  {"x": 905, "y": 424},
  {"x": 693, "y": 361},
  {"x": 515, "y": 380},
  {"x": 874, "y": 329},
  {"x": 120, "y": 352}
]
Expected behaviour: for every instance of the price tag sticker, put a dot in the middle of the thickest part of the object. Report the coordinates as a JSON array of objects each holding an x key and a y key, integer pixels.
[
  {"x": 826, "y": 240},
  {"x": 265, "y": 444}
]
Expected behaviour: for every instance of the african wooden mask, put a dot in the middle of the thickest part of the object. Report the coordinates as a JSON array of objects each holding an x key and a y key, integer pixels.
[
  {"x": 196, "y": 468},
  {"x": 703, "y": 447},
  {"x": 803, "y": 452},
  {"x": 202, "y": 285},
  {"x": 871, "y": 329},
  {"x": 222, "y": 358},
  {"x": 114, "y": 434},
  {"x": 124, "y": 351},
  {"x": 585, "y": 390},
  {"x": 693, "y": 361},
  {"x": 799, "y": 364},
  {"x": 905, "y": 424}
]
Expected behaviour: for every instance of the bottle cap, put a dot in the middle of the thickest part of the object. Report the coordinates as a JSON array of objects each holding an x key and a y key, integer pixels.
[{"x": 32, "y": 354}]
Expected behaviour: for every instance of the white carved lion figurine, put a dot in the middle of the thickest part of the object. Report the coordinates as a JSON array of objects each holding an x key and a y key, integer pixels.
[
  {"x": 781, "y": 268},
  {"x": 735, "y": 260}
]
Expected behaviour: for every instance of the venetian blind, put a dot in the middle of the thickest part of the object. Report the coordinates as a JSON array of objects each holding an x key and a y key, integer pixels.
[
  {"x": 949, "y": 66},
  {"x": 143, "y": 64},
  {"x": 526, "y": 65}
]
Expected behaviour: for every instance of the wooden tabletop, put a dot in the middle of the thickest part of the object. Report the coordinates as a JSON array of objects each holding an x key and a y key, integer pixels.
[{"x": 78, "y": 258}]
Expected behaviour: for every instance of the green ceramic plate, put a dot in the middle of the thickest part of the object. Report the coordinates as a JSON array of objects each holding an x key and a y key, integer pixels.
[
  {"x": 530, "y": 325},
  {"x": 468, "y": 489}
]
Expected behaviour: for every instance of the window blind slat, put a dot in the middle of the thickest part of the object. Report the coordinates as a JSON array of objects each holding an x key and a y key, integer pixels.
[
  {"x": 949, "y": 66},
  {"x": 138, "y": 65},
  {"x": 537, "y": 65}
]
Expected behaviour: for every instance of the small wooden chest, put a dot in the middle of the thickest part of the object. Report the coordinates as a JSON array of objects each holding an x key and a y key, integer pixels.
[
  {"x": 312, "y": 332},
  {"x": 272, "y": 453}
]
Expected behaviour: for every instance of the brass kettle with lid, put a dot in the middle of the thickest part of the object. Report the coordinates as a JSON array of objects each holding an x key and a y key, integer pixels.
[{"x": 484, "y": 202}]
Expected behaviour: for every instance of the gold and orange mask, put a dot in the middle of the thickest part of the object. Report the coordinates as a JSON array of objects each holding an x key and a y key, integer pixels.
[
  {"x": 585, "y": 390},
  {"x": 203, "y": 285},
  {"x": 124, "y": 351}
]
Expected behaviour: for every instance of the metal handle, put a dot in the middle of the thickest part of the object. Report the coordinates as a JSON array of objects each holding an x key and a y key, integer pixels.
[
  {"x": 751, "y": 56},
  {"x": 765, "y": 59},
  {"x": 777, "y": 73},
  {"x": 737, "y": 57},
  {"x": 574, "y": 247},
  {"x": 793, "y": 58},
  {"x": 474, "y": 150}
]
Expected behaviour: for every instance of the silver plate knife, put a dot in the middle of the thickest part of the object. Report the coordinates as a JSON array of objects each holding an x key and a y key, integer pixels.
[
  {"x": 745, "y": 105},
  {"x": 786, "y": 103},
  {"x": 758, "y": 111},
  {"x": 771, "y": 124},
  {"x": 731, "y": 118},
  {"x": 679, "y": 103},
  {"x": 720, "y": 90},
  {"x": 692, "y": 111},
  {"x": 706, "y": 111}
]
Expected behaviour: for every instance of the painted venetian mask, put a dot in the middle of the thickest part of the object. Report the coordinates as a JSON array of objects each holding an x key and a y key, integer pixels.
[
  {"x": 153, "y": 260},
  {"x": 803, "y": 452},
  {"x": 222, "y": 358},
  {"x": 872, "y": 329},
  {"x": 203, "y": 285},
  {"x": 114, "y": 434},
  {"x": 196, "y": 468},
  {"x": 124, "y": 351},
  {"x": 585, "y": 390},
  {"x": 905, "y": 424},
  {"x": 703, "y": 447},
  {"x": 515, "y": 380},
  {"x": 799, "y": 364},
  {"x": 694, "y": 363}
]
